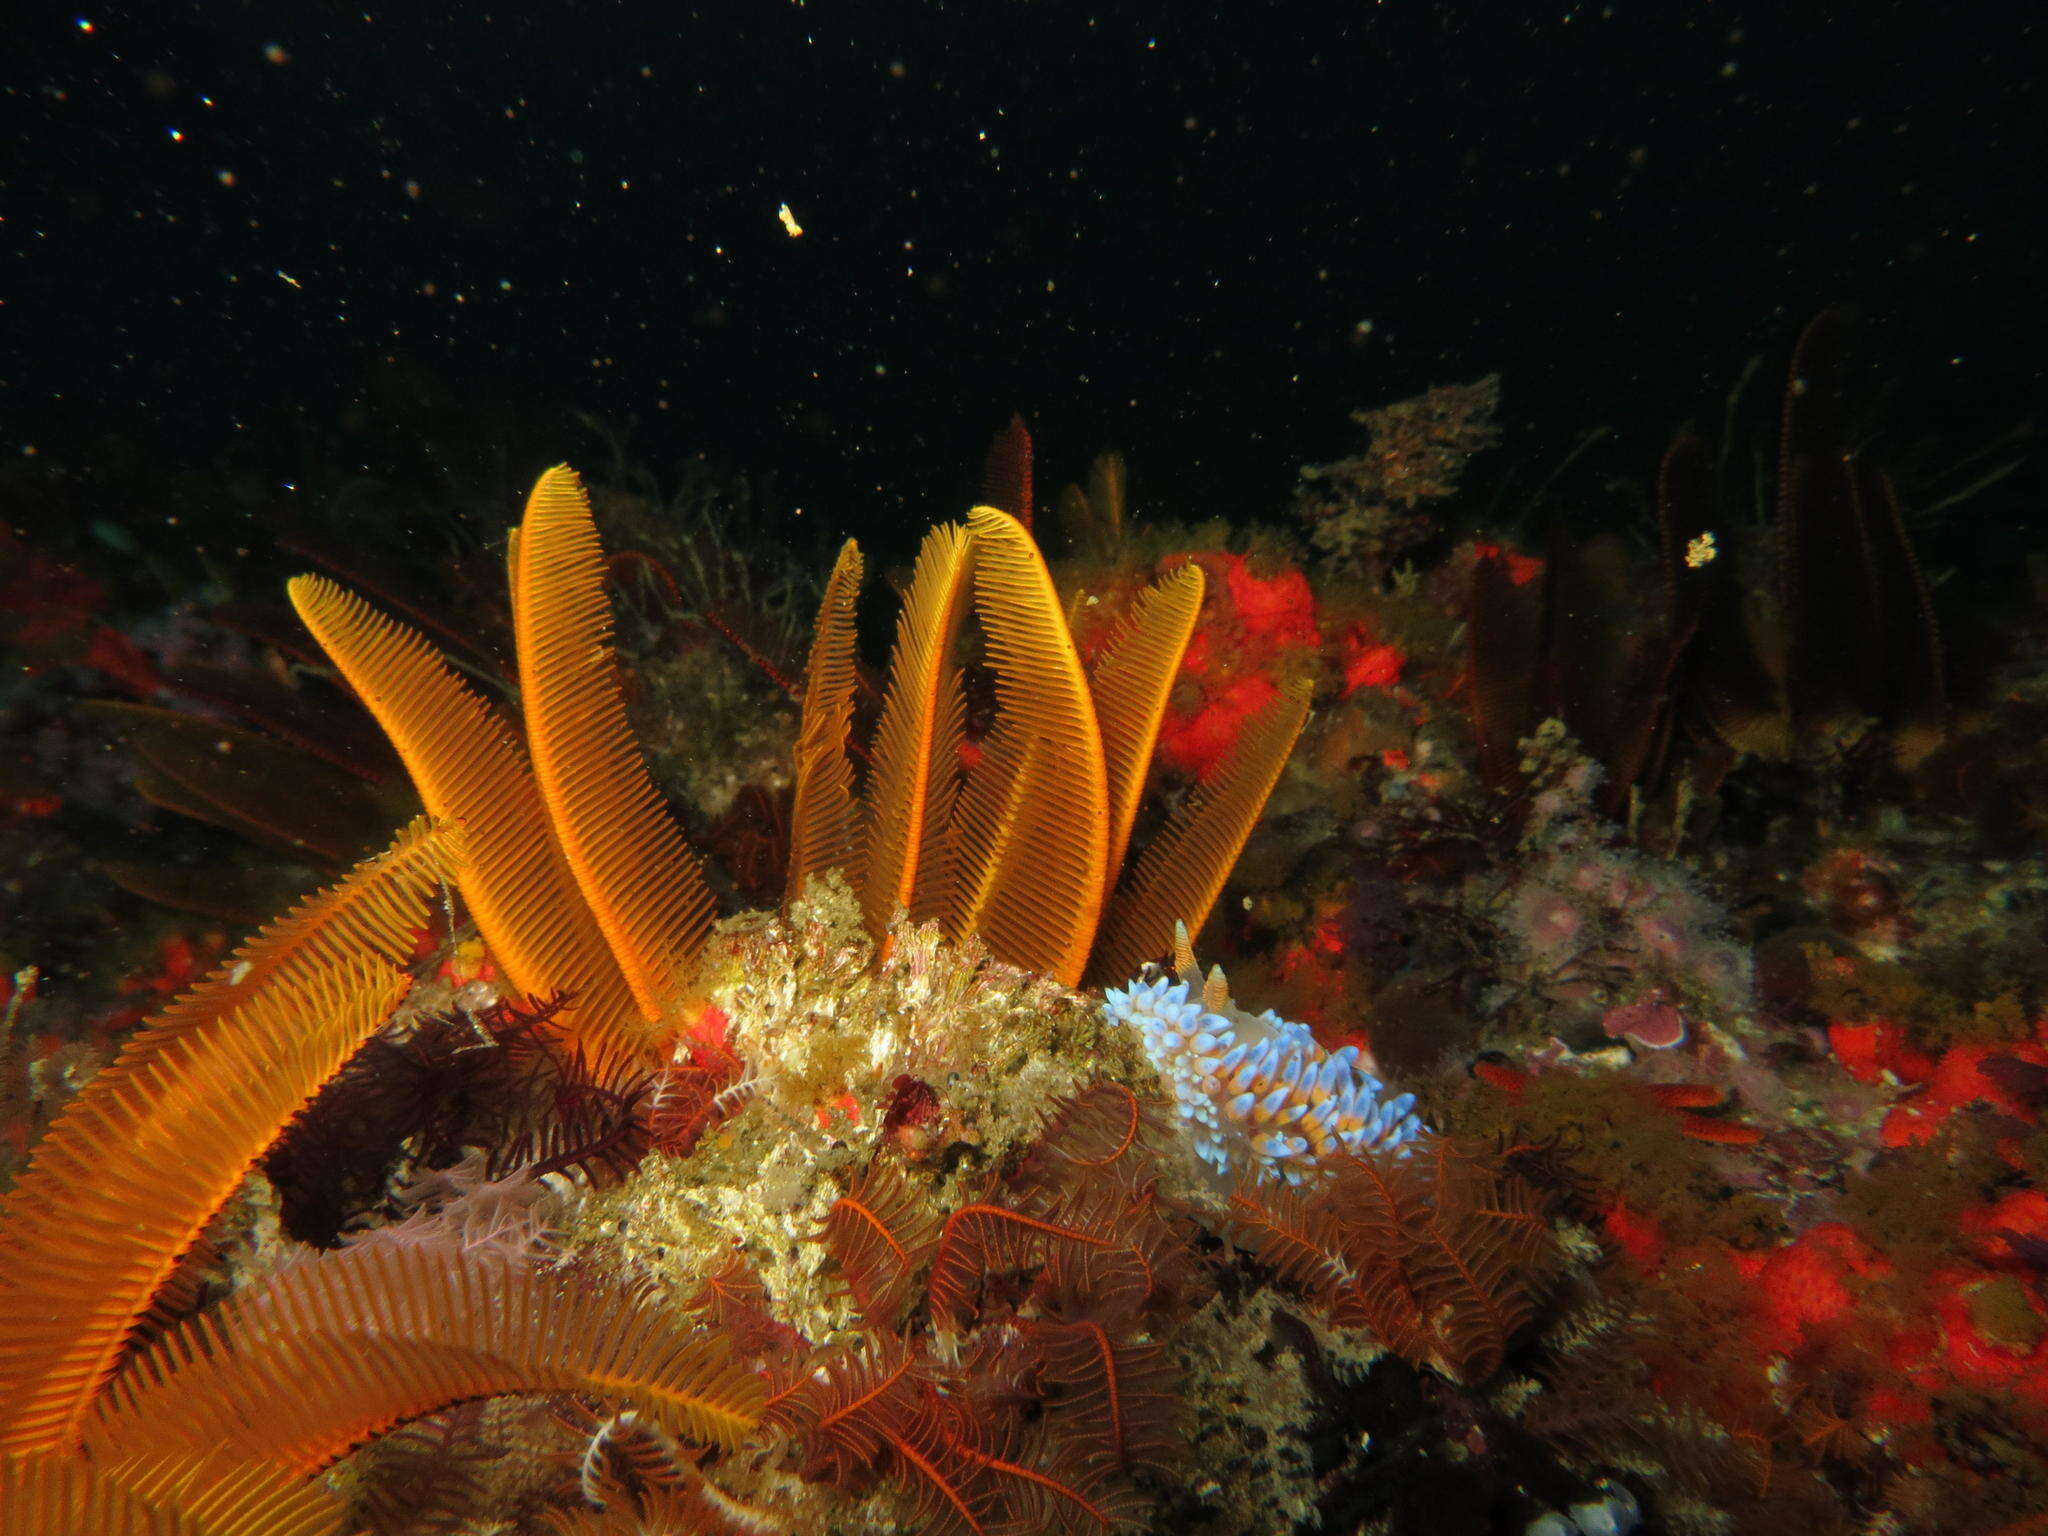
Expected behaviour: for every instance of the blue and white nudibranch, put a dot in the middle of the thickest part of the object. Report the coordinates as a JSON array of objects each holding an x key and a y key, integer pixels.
[{"x": 1255, "y": 1092}]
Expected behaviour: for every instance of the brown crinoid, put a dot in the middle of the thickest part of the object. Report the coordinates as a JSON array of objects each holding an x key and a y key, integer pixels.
[{"x": 579, "y": 882}]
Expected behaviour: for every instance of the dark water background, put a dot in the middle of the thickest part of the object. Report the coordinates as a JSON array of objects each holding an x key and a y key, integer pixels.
[{"x": 1199, "y": 233}]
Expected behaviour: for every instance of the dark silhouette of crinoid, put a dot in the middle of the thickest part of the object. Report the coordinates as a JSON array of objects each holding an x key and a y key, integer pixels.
[{"x": 1672, "y": 679}]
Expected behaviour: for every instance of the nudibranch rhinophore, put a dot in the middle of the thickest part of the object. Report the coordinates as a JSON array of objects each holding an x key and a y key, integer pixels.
[{"x": 1256, "y": 1092}]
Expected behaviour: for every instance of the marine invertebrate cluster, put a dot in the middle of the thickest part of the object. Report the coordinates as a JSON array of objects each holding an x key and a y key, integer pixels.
[
  {"x": 977, "y": 1228},
  {"x": 1257, "y": 1094},
  {"x": 583, "y": 894},
  {"x": 934, "y": 1240},
  {"x": 1834, "y": 1322}
]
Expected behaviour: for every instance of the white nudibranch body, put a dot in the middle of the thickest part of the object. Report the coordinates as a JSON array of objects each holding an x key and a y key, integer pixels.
[{"x": 1255, "y": 1092}]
